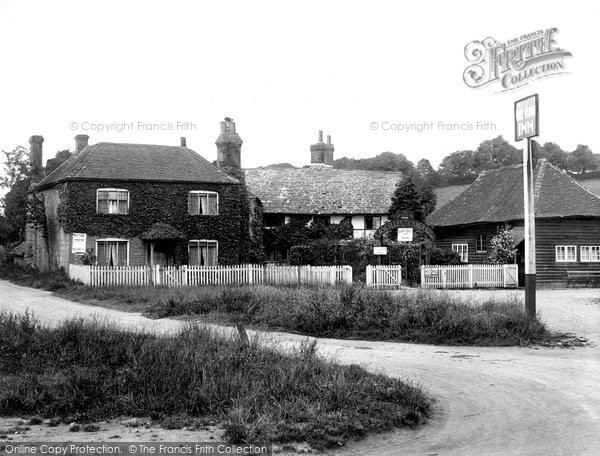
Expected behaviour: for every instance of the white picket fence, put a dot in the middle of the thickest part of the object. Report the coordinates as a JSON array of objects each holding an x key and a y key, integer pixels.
[
  {"x": 246, "y": 274},
  {"x": 384, "y": 276},
  {"x": 470, "y": 276}
]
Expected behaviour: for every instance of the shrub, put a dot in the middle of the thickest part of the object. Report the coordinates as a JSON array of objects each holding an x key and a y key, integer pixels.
[
  {"x": 441, "y": 257},
  {"x": 502, "y": 246}
]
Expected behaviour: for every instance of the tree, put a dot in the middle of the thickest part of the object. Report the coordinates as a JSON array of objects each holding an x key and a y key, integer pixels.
[
  {"x": 386, "y": 161},
  {"x": 16, "y": 168},
  {"x": 428, "y": 200},
  {"x": 458, "y": 167},
  {"x": 582, "y": 160},
  {"x": 555, "y": 155},
  {"x": 495, "y": 153},
  {"x": 502, "y": 246},
  {"x": 426, "y": 173},
  {"x": 17, "y": 179},
  {"x": 406, "y": 197},
  {"x": 53, "y": 163}
]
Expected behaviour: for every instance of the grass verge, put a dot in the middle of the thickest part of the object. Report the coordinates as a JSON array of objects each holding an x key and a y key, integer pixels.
[
  {"x": 349, "y": 312},
  {"x": 89, "y": 371}
]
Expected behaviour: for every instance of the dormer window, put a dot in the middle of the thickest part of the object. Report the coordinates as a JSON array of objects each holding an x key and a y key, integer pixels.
[
  {"x": 112, "y": 201},
  {"x": 201, "y": 202}
]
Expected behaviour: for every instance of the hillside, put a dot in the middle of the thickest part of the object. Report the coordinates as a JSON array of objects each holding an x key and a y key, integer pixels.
[
  {"x": 593, "y": 185},
  {"x": 445, "y": 194}
]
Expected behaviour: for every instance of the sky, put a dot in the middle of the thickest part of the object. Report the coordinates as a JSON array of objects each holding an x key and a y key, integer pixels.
[{"x": 152, "y": 72}]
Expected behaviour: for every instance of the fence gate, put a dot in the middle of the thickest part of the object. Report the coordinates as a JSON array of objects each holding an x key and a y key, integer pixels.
[{"x": 384, "y": 276}]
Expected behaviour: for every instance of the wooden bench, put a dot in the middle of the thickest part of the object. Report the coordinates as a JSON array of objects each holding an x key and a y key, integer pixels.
[{"x": 590, "y": 277}]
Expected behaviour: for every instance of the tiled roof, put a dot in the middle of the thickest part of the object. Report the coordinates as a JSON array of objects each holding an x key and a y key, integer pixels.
[
  {"x": 118, "y": 161},
  {"x": 497, "y": 196},
  {"x": 322, "y": 190}
]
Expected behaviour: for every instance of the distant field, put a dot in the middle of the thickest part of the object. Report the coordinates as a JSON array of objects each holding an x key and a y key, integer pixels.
[
  {"x": 593, "y": 185},
  {"x": 445, "y": 194}
]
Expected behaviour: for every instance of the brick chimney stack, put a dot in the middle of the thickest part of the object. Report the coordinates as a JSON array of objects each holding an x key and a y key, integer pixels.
[
  {"x": 35, "y": 157},
  {"x": 81, "y": 142},
  {"x": 321, "y": 154},
  {"x": 328, "y": 152},
  {"x": 183, "y": 142},
  {"x": 229, "y": 149}
]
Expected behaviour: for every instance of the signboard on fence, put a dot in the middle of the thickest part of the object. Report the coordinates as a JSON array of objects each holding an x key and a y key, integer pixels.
[
  {"x": 78, "y": 241},
  {"x": 379, "y": 250},
  {"x": 431, "y": 273},
  {"x": 405, "y": 234}
]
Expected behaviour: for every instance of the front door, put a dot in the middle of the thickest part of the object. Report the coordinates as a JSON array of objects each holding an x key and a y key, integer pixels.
[{"x": 161, "y": 252}]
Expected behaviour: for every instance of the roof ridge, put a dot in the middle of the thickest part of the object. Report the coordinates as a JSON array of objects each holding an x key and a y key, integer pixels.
[
  {"x": 539, "y": 180},
  {"x": 138, "y": 144}
]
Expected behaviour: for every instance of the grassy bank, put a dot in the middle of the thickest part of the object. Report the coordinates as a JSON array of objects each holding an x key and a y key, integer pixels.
[
  {"x": 87, "y": 371},
  {"x": 358, "y": 313},
  {"x": 343, "y": 312}
]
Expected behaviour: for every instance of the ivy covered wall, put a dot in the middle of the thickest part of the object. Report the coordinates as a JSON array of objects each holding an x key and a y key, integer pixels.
[{"x": 152, "y": 202}]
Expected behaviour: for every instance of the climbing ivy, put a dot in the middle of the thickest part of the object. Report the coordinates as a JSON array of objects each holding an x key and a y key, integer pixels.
[{"x": 152, "y": 202}]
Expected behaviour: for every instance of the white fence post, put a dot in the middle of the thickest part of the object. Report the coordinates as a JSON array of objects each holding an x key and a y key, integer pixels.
[
  {"x": 471, "y": 283},
  {"x": 157, "y": 277}
]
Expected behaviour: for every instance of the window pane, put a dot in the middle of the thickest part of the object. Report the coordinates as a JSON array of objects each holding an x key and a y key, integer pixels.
[
  {"x": 211, "y": 256},
  {"x": 585, "y": 254},
  {"x": 121, "y": 253},
  {"x": 193, "y": 260},
  {"x": 203, "y": 203},
  {"x": 193, "y": 203},
  {"x": 213, "y": 210},
  {"x": 101, "y": 254},
  {"x": 102, "y": 206}
]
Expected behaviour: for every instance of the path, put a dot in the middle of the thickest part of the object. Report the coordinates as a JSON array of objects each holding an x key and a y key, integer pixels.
[{"x": 491, "y": 401}]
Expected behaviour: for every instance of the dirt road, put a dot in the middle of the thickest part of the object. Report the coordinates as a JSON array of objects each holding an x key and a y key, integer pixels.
[{"x": 491, "y": 401}]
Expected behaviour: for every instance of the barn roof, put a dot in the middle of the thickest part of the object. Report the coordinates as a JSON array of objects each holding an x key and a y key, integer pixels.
[
  {"x": 322, "y": 190},
  {"x": 497, "y": 196},
  {"x": 137, "y": 162}
]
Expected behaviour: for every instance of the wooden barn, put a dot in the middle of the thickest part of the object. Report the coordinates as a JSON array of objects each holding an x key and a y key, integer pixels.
[{"x": 567, "y": 221}]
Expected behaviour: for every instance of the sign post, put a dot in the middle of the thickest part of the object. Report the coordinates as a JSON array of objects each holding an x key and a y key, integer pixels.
[{"x": 526, "y": 127}]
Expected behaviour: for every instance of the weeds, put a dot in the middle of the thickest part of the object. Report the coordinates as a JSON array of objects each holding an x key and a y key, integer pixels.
[{"x": 89, "y": 371}]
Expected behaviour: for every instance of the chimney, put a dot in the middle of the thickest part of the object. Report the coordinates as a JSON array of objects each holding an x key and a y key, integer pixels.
[
  {"x": 81, "y": 142},
  {"x": 183, "y": 142},
  {"x": 35, "y": 157},
  {"x": 321, "y": 154},
  {"x": 229, "y": 149},
  {"x": 328, "y": 152}
]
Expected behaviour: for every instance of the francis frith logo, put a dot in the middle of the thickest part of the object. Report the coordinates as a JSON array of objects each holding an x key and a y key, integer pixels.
[{"x": 516, "y": 62}]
